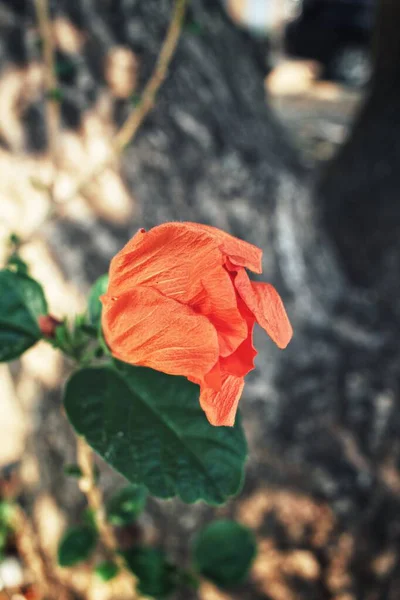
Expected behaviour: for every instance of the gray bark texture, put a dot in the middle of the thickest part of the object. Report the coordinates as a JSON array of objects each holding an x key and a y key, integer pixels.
[{"x": 322, "y": 417}]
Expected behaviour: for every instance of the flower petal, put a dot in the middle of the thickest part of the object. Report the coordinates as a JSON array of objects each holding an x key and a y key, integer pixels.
[
  {"x": 142, "y": 327},
  {"x": 171, "y": 258},
  {"x": 265, "y": 303},
  {"x": 213, "y": 379},
  {"x": 241, "y": 253},
  {"x": 219, "y": 302},
  {"x": 220, "y": 407},
  {"x": 241, "y": 361}
]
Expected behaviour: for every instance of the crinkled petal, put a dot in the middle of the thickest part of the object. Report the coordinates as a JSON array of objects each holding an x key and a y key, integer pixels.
[
  {"x": 220, "y": 407},
  {"x": 213, "y": 378},
  {"x": 219, "y": 302},
  {"x": 171, "y": 258},
  {"x": 241, "y": 361},
  {"x": 265, "y": 303},
  {"x": 142, "y": 327},
  {"x": 241, "y": 253}
]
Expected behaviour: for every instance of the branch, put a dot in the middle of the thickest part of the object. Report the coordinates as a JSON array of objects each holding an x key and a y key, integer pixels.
[
  {"x": 129, "y": 129},
  {"x": 52, "y": 102},
  {"x": 95, "y": 501},
  {"x": 29, "y": 549},
  {"x": 135, "y": 119}
]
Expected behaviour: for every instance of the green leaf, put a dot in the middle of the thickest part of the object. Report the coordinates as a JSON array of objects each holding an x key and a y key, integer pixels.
[
  {"x": 6, "y": 518},
  {"x": 76, "y": 545},
  {"x": 22, "y": 301},
  {"x": 224, "y": 551},
  {"x": 14, "y": 239},
  {"x": 94, "y": 305},
  {"x": 56, "y": 94},
  {"x": 194, "y": 27},
  {"x": 126, "y": 505},
  {"x": 89, "y": 518},
  {"x": 74, "y": 470},
  {"x": 62, "y": 336},
  {"x": 16, "y": 264},
  {"x": 65, "y": 67},
  {"x": 136, "y": 100},
  {"x": 157, "y": 577},
  {"x": 149, "y": 426},
  {"x": 106, "y": 570},
  {"x": 189, "y": 579},
  {"x": 6, "y": 513}
]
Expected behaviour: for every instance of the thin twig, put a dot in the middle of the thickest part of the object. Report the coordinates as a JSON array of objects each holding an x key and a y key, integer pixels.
[
  {"x": 135, "y": 119},
  {"x": 130, "y": 127},
  {"x": 33, "y": 556},
  {"x": 95, "y": 501},
  {"x": 52, "y": 102}
]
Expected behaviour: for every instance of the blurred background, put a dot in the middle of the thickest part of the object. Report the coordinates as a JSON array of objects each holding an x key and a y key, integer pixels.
[{"x": 279, "y": 122}]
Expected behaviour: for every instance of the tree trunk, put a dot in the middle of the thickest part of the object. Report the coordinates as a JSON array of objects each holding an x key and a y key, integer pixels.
[
  {"x": 322, "y": 417},
  {"x": 360, "y": 187}
]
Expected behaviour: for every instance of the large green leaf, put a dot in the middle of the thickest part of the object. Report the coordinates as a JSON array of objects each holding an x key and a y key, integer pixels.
[
  {"x": 156, "y": 576},
  {"x": 150, "y": 427},
  {"x": 94, "y": 305},
  {"x": 223, "y": 552},
  {"x": 21, "y": 303},
  {"x": 76, "y": 545}
]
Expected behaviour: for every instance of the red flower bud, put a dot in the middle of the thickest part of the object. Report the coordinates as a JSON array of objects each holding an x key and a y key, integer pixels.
[{"x": 48, "y": 325}]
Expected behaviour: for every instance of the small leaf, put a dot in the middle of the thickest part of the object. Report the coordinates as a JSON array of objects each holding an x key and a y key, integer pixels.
[
  {"x": 22, "y": 301},
  {"x": 189, "y": 579},
  {"x": 224, "y": 551},
  {"x": 150, "y": 427},
  {"x": 157, "y": 577},
  {"x": 6, "y": 519},
  {"x": 16, "y": 264},
  {"x": 89, "y": 517},
  {"x": 126, "y": 505},
  {"x": 89, "y": 330},
  {"x": 14, "y": 240},
  {"x": 136, "y": 100},
  {"x": 55, "y": 94},
  {"x": 65, "y": 67},
  {"x": 106, "y": 570},
  {"x": 77, "y": 544},
  {"x": 73, "y": 471},
  {"x": 193, "y": 27},
  {"x": 94, "y": 305},
  {"x": 6, "y": 513}
]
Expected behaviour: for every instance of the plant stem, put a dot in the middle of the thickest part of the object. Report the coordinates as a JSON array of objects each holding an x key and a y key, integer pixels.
[
  {"x": 52, "y": 103},
  {"x": 131, "y": 126},
  {"x": 136, "y": 118},
  {"x": 95, "y": 501},
  {"x": 34, "y": 557},
  {"x": 133, "y": 122}
]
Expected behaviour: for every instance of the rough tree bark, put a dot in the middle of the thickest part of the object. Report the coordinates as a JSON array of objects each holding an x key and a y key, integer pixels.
[
  {"x": 360, "y": 187},
  {"x": 322, "y": 417}
]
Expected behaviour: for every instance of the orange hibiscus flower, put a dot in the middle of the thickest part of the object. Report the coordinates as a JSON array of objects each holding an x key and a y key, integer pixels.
[{"x": 180, "y": 301}]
